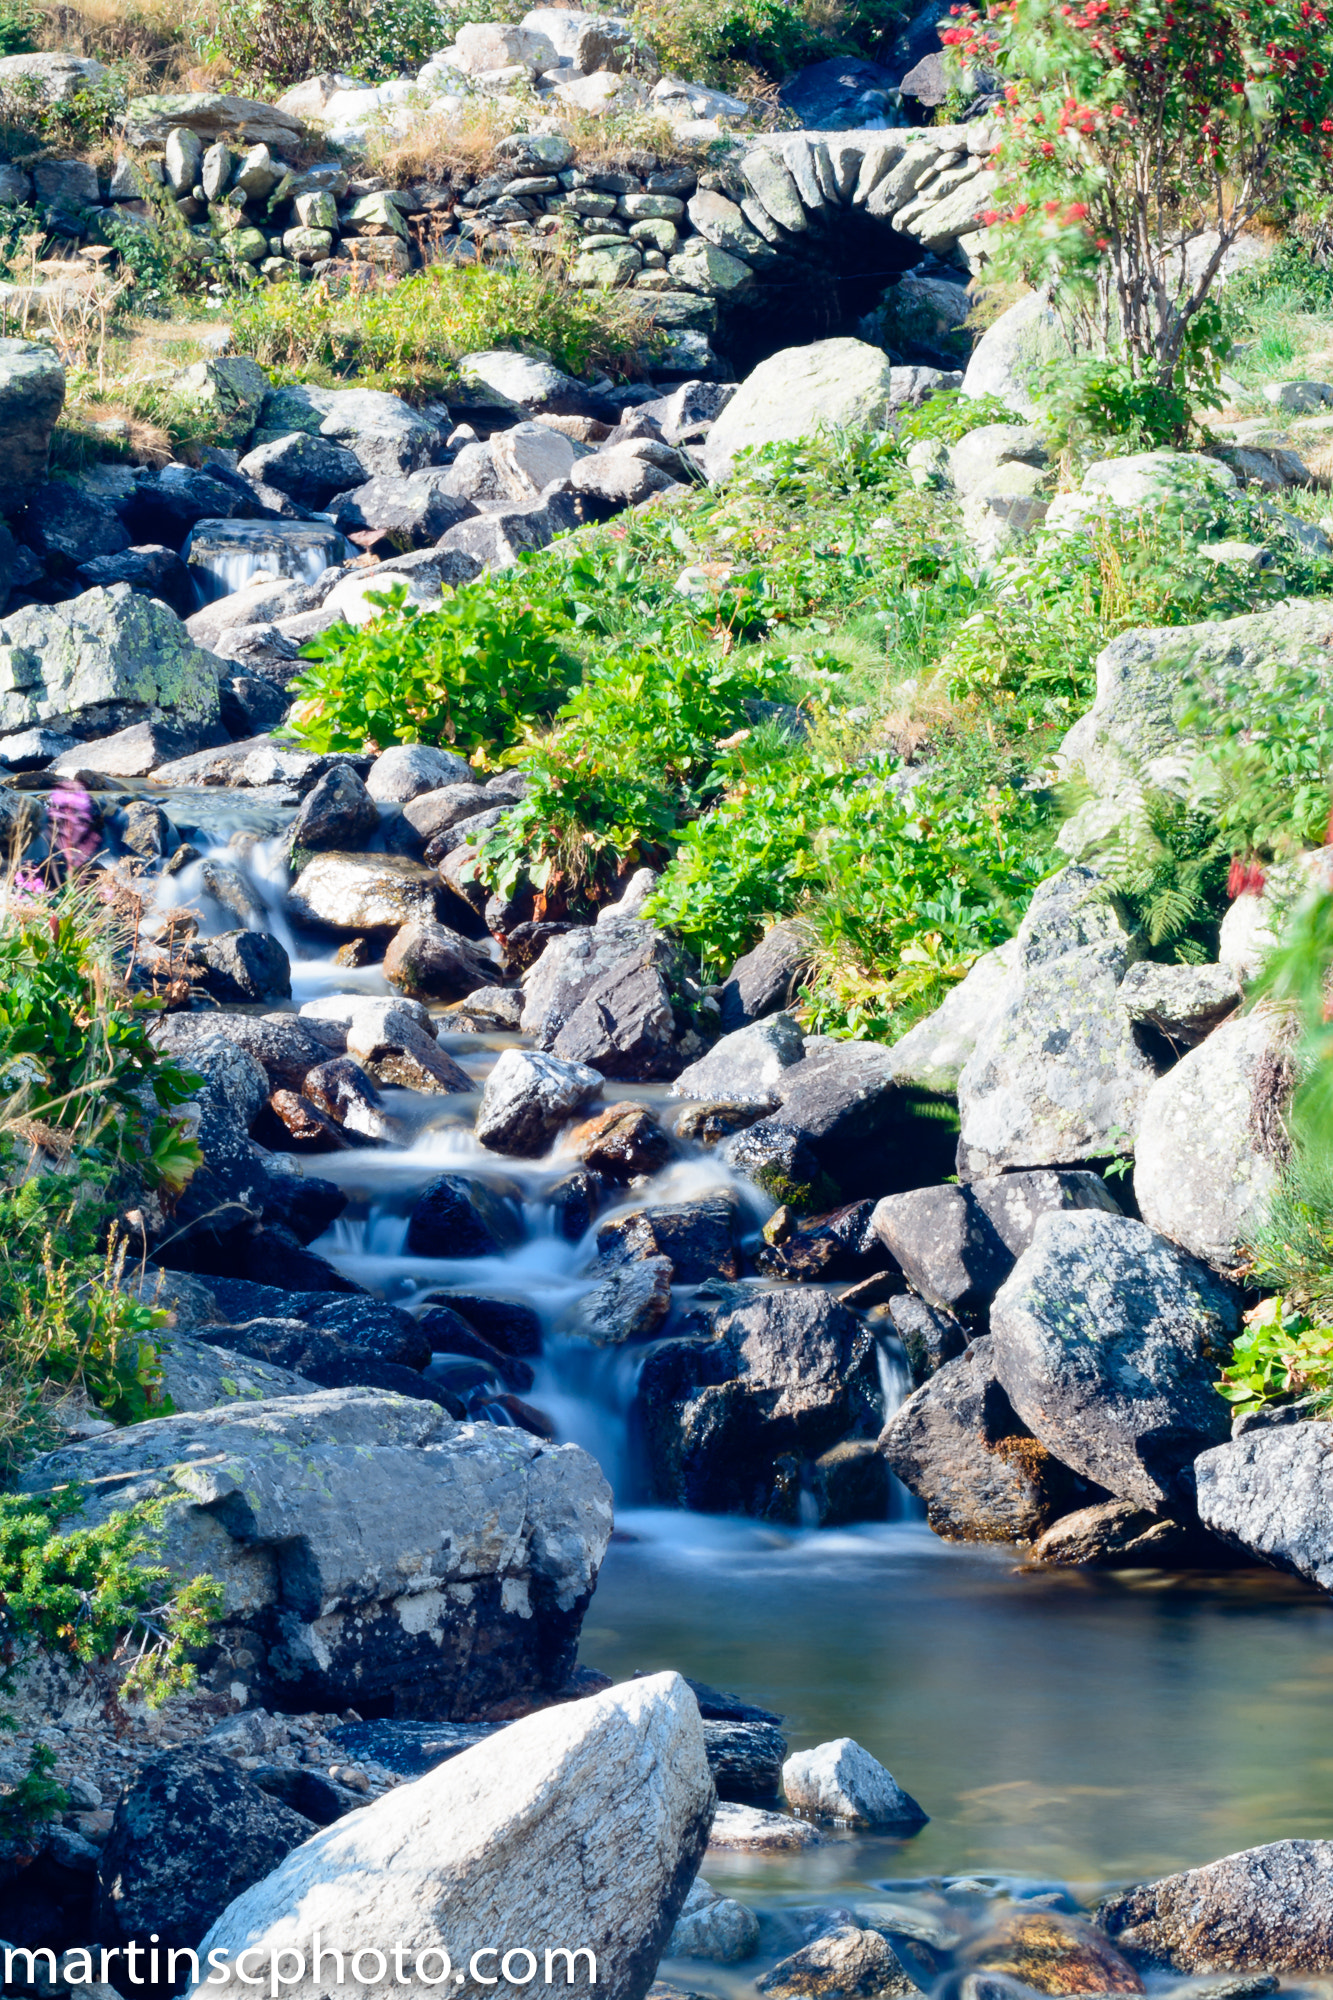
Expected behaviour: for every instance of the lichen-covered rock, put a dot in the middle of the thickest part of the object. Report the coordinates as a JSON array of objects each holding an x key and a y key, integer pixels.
[
  {"x": 209, "y": 114},
  {"x": 101, "y": 662},
  {"x": 1266, "y": 1909},
  {"x": 32, "y": 395},
  {"x": 800, "y": 391},
  {"x": 1108, "y": 1341},
  {"x": 935, "y": 1052},
  {"x": 368, "y": 1547},
  {"x": 1270, "y": 1492},
  {"x": 1057, "y": 1074},
  {"x": 959, "y": 1446},
  {"x": 1213, "y": 1137},
  {"x": 1183, "y": 1002}
]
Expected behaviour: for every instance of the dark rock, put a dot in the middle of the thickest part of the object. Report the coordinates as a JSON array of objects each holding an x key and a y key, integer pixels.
[
  {"x": 152, "y": 570},
  {"x": 850, "y": 1483},
  {"x": 429, "y": 961},
  {"x": 525, "y": 1416},
  {"x": 1118, "y": 1535},
  {"x": 781, "y": 1161},
  {"x": 251, "y": 705},
  {"x": 336, "y": 813},
  {"x": 317, "y": 1798},
  {"x": 383, "y": 1330},
  {"x": 1264, "y": 1909},
  {"x": 958, "y": 1445},
  {"x": 167, "y": 504},
  {"x": 930, "y": 1337},
  {"x": 287, "y": 1048},
  {"x": 146, "y": 831},
  {"x": 621, "y": 1142},
  {"x": 745, "y": 1758},
  {"x": 604, "y": 995},
  {"x": 293, "y": 1124},
  {"x": 574, "y": 1201},
  {"x": 306, "y": 467},
  {"x": 307, "y": 1206},
  {"x": 710, "y": 1124},
  {"x": 870, "y": 1134},
  {"x": 64, "y": 524},
  {"x": 412, "y": 512},
  {"x": 449, "y": 1333},
  {"x": 458, "y": 1217},
  {"x": 840, "y": 1244},
  {"x": 957, "y": 1245},
  {"x": 839, "y": 94},
  {"x": 190, "y": 1834},
  {"x": 508, "y": 1324},
  {"x": 699, "y": 1238},
  {"x": 629, "y": 1305},
  {"x": 767, "y": 979},
  {"x": 246, "y": 966},
  {"x": 525, "y": 943},
  {"x": 1108, "y": 1341},
  {"x": 330, "y": 1360},
  {"x": 273, "y": 1254}
]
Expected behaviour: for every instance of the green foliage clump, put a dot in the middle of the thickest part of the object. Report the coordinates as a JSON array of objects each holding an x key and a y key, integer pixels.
[
  {"x": 274, "y": 43},
  {"x": 476, "y": 673},
  {"x": 1283, "y": 1353},
  {"x": 1169, "y": 864},
  {"x": 948, "y": 415}
]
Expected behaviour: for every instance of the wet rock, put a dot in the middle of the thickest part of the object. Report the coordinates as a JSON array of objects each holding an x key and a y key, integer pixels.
[
  {"x": 629, "y": 1305},
  {"x": 622, "y": 1142},
  {"x": 844, "y": 1964},
  {"x": 316, "y": 1355},
  {"x": 1213, "y": 1140},
  {"x": 297, "y": 1125},
  {"x": 245, "y": 967},
  {"x": 1183, "y": 1002},
  {"x": 745, "y": 1758},
  {"x": 1267, "y": 1908},
  {"x": 406, "y": 770},
  {"x": 342, "y": 1091},
  {"x": 781, "y": 1162},
  {"x": 713, "y": 1927},
  {"x": 394, "y": 1048},
  {"x": 458, "y": 1217},
  {"x": 930, "y": 1336},
  {"x": 508, "y": 1324},
  {"x": 337, "y": 812},
  {"x": 1108, "y": 1340},
  {"x": 958, "y": 1444},
  {"x": 428, "y": 961},
  {"x": 728, "y": 1421},
  {"x": 843, "y": 1782},
  {"x": 1053, "y": 1953},
  {"x": 449, "y": 1333},
  {"x": 376, "y": 1328},
  {"x": 32, "y": 395},
  {"x": 351, "y": 894},
  {"x": 710, "y": 1124},
  {"x": 742, "y": 1829},
  {"x": 839, "y": 1244},
  {"x": 152, "y": 570},
  {"x": 849, "y": 1483},
  {"x": 528, "y": 1097},
  {"x": 698, "y": 1238},
  {"x": 285, "y": 1047},
  {"x": 957, "y": 1245},
  {"x": 574, "y": 1201},
  {"x": 1267, "y": 1492},
  {"x": 190, "y": 1833},
  {"x": 1057, "y": 1075},
  {"x": 383, "y": 1528},
  {"x": 1117, "y": 1535},
  {"x": 745, "y": 1066},
  {"x": 145, "y": 830},
  {"x": 766, "y": 979},
  {"x": 631, "y": 1758}
]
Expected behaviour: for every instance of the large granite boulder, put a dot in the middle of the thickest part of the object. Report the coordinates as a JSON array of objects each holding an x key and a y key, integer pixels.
[
  {"x": 528, "y": 1097},
  {"x": 1008, "y": 359},
  {"x": 210, "y": 115},
  {"x": 1108, "y": 1342},
  {"x": 1058, "y": 1073},
  {"x": 935, "y": 1052},
  {"x": 369, "y": 1548},
  {"x": 604, "y": 996},
  {"x": 1270, "y": 1492},
  {"x": 32, "y": 395},
  {"x": 959, "y": 1446},
  {"x": 957, "y": 1245},
  {"x": 1212, "y": 1140},
  {"x": 840, "y": 383},
  {"x": 102, "y": 662},
  {"x": 1266, "y": 1909},
  {"x": 575, "y": 1833}
]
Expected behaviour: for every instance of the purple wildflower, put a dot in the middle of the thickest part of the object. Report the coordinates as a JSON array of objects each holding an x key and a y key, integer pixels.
[{"x": 71, "y": 818}]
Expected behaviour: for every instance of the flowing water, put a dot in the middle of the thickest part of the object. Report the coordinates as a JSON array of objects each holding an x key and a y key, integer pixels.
[{"x": 1058, "y": 1726}]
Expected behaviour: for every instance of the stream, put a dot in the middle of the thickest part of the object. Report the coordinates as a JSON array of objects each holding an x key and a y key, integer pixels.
[{"x": 1072, "y": 1727}]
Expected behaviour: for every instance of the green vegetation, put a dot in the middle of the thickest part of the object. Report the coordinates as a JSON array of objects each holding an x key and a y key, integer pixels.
[{"x": 1283, "y": 1353}]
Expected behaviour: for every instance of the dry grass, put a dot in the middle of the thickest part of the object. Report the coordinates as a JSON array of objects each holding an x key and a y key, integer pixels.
[
  {"x": 440, "y": 148},
  {"x": 156, "y": 41}
]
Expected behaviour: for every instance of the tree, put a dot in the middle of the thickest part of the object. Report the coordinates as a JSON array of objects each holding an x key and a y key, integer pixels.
[{"x": 1128, "y": 129}]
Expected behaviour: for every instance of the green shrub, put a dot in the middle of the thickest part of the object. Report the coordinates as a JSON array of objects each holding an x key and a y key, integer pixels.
[
  {"x": 475, "y": 674},
  {"x": 275, "y": 43},
  {"x": 1283, "y": 1353},
  {"x": 20, "y": 26}
]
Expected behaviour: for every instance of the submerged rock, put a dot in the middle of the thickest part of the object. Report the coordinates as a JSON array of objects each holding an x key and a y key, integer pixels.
[
  {"x": 844, "y": 1964},
  {"x": 841, "y": 1781},
  {"x": 455, "y": 1216},
  {"x": 432, "y": 1865},
  {"x": 1050, "y": 1952},
  {"x": 713, "y": 1926}
]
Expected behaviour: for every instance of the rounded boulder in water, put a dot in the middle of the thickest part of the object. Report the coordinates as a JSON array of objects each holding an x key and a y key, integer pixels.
[{"x": 841, "y": 1781}]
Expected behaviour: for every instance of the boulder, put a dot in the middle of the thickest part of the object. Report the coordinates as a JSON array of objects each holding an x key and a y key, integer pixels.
[
  {"x": 766, "y": 979},
  {"x": 197, "y": 1375},
  {"x": 55, "y": 75},
  {"x": 101, "y": 661},
  {"x": 309, "y": 469},
  {"x": 429, "y": 961},
  {"x": 191, "y": 1832},
  {"x": 935, "y": 1052},
  {"x": 957, "y": 1245},
  {"x": 435, "y": 812},
  {"x": 843, "y": 1963},
  {"x": 393, "y": 1506},
  {"x": 406, "y": 770},
  {"x": 1114, "y": 1534},
  {"x": 1057, "y": 1074},
  {"x": 714, "y": 1927},
  {"x": 499, "y": 537},
  {"x": 1025, "y": 1948},
  {"x": 744, "y": 1067},
  {"x": 64, "y": 524},
  {"x": 337, "y": 812},
  {"x": 151, "y": 569},
  {"x": 843, "y": 1782},
  {"x": 355, "y": 893},
  {"x": 742, "y": 1829},
  {"x": 976, "y": 457},
  {"x": 385, "y": 434},
  {"x": 629, "y": 1305},
  {"x": 621, "y": 1142},
  {"x": 528, "y": 1097},
  {"x": 846, "y": 1108},
  {"x": 231, "y": 388},
  {"x": 246, "y": 967},
  {"x": 343, "y": 1092},
  {"x": 394, "y": 1048},
  {"x": 1107, "y": 1341},
  {"x": 698, "y": 1238},
  {"x": 959, "y": 1446},
  {"x": 1212, "y": 1140},
  {"x": 135, "y": 752},
  {"x": 412, "y": 510},
  {"x": 1183, "y": 1002},
  {"x": 529, "y": 458},
  {"x": 481, "y": 1847},
  {"x": 831, "y": 383},
  {"x": 528, "y": 383},
  {"x": 618, "y": 479},
  {"x": 1264, "y": 1909},
  {"x": 284, "y": 1048},
  {"x": 1007, "y": 360},
  {"x": 456, "y": 1216},
  {"x": 1267, "y": 1492},
  {"x": 150, "y": 121}
]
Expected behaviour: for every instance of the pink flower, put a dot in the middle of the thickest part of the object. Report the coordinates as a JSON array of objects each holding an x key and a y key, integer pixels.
[{"x": 70, "y": 816}]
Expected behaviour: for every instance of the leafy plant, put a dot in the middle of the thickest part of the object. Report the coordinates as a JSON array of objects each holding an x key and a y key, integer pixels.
[
  {"x": 36, "y": 1798},
  {"x": 475, "y": 673},
  {"x": 279, "y": 42},
  {"x": 20, "y": 25},
  {"x": 1283, "y": 1353},
  {"x": 949, "y": 415},
  {"x": 1169, "y": 863}
]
